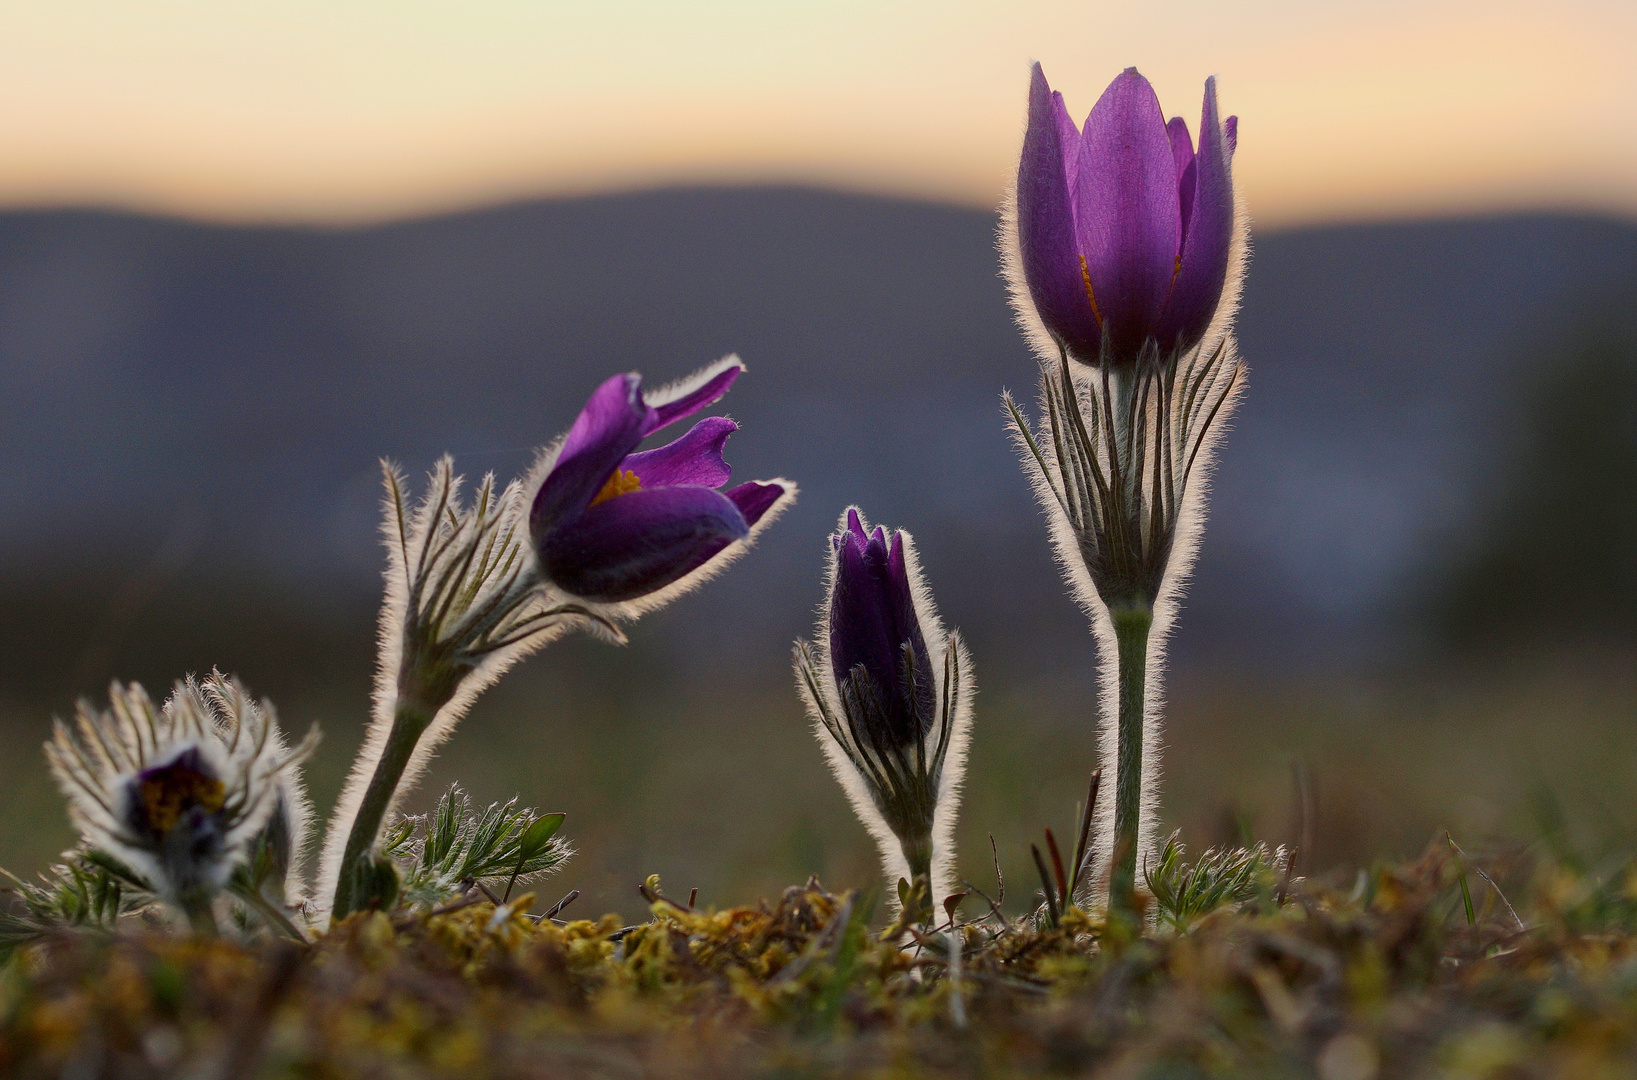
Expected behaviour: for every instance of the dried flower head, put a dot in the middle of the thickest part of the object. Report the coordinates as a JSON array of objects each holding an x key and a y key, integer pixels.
[
  {"x": 890, "y": 694},
  {"x": 176, "y": 793}
]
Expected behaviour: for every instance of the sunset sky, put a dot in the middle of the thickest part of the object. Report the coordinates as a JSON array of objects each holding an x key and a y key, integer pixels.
[{"x": 344, "y": 110}]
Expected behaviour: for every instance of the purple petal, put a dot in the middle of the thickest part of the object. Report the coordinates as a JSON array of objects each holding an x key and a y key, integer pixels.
[
  {"x": 636, "y": 544},
  {"x": 1127, "y": 218},
  {"x": 695, "y": 458},
  {"x": 1230, "y": 128},
  {"x": 1068, "y": 141},
  {"x": 1204, "y": 265},
  {"x": 1182, "y": 146},
  {"x": 1182, "y": 151},
  {"x": 685, "y": 406},
  {"x": 1045, "y": 227},
  {"x": 755, "y": 499},
  {"x": 606, "y": 431}
]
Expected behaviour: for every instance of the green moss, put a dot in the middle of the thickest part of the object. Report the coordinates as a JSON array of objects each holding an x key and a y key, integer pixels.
[{"x": 1383, "y": 978}]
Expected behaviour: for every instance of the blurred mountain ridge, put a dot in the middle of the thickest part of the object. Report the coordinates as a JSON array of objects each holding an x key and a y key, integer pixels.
[{"x": 197, "y": 403}]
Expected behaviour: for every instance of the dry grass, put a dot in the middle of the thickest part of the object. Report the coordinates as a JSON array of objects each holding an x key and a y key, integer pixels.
[{"x": 1391, "y": 975}]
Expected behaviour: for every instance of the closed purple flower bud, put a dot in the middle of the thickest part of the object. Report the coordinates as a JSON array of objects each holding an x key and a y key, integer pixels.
[
  {"x": 878, "y": 654},
  {"x": 1123, "y": 229},
  {"x": 612, "y": 525},
  {"x": 890, "y": 691}
]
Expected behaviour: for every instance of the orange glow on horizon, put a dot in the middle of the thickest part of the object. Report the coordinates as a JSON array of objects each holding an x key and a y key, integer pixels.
[{"x": 358, "y": 110}]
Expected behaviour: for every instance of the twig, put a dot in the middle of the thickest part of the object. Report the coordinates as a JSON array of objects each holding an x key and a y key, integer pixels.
[
  {"x": 1045, "y": 883},
  {"x": 557, "y": 908},
  {"x": 1000, "y": 879},
  {"x": 1480, "y": 872},
  {"x": 1083, "y": 842}
]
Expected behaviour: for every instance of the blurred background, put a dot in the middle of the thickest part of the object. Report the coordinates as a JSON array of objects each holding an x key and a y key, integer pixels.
[{"x": 248, "y": 249}]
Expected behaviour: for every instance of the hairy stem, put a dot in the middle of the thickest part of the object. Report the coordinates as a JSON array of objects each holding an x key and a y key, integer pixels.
[
  {"x": 409, "y": 721},
  {"x": 197, "y": 907},
  {"x": 276, "y": 920},
  {"x": 918, "y": 853},
  {"x": 1131, "y": 627}
]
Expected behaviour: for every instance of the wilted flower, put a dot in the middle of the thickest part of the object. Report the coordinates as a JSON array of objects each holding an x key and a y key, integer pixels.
[
  {"x": 1126, "y": 256},
  {"x": 177, "y": 794},
  {"x": 891, "y": 696},
  {"x": 597, "y": 533},
  {"x": 612, "y": 525},
  {"x": 1124, "y": 232}
]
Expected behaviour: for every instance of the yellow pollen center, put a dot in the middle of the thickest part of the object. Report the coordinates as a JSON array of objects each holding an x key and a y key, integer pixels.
[
  {"x": 168, "y": 793},
  {"x": 1085, "y": 275},
  {"x": 623, "y": 482}
]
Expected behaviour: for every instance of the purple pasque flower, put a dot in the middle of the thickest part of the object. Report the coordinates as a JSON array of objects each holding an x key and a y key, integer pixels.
[
  {"x": 1124, "y": 228},
  {"x": 890, "y": 693},
  {"x": 878, "y": 653},
  {"x": 612, "y": 525}
]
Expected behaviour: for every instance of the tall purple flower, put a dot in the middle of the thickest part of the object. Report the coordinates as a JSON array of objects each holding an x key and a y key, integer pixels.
[
  {"x": 612, "y": 525},
  {"x": 890, "y": 693},
  {"x": 1124, "y": 231},
  {"x": 1124, "y": 255}
]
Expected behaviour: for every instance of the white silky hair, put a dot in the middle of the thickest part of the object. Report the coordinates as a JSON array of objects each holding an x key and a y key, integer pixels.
[
  {"x": 1185, "y": 544},
  {"x": 1179, "y": 567},
  {"x": 406, "y": 538},
  {"x": 229, "y": 702},
  {"x": 951, "y": 781},
  {"x": 236, "y": 738}
]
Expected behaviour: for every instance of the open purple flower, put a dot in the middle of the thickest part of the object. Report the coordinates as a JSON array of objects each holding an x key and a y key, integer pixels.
[
  {"x": 1124, "y": 229},
  {"x": 612, "y": 525}
]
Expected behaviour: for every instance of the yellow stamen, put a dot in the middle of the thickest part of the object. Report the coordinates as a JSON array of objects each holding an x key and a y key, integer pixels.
[
  {"x": 170, "y": 792},
  {"x": 623, "y": 482},
  {"x": 1085, "y": 274}
]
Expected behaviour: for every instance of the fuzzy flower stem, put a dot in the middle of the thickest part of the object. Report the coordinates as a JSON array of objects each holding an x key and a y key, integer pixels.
[
  {"x": 918, "y": 853},
  {"x": 409, "y": 721},
  {"x": 197, "y": 907},
  {"x": 275, "y": 919},
  {"x": 1131, "y": 627}
]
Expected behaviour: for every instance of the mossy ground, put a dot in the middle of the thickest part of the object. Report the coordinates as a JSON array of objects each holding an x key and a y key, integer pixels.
[{"x": 1394, "y": 974}]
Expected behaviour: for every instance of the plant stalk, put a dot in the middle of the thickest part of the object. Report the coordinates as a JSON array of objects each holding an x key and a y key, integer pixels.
[
  {"x": 918, "y": 853},
  {"x": 1131, "y": 628},
  {"x": 201, "y": 918},
  {"x": 409, "y": 721}
]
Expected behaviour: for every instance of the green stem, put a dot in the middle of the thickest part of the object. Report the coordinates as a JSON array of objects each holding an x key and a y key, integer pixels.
[
  {"x": 409, "y": 722},
  {"x": 274, "y": 918},
  {"x": 201, "y": 917},
  {"x": 1131, "y": 627},
  {"x": 918, "y": 853}
]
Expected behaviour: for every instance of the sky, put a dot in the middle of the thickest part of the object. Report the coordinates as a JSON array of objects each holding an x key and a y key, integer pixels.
[{"x": 339, "y": 111}]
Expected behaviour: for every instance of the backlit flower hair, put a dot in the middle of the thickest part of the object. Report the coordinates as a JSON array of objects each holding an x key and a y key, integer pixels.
[{"x": 177, "y": 793}]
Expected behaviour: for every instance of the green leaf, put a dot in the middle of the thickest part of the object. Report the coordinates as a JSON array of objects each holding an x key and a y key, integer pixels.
[{"x": 539, "y": 835}]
